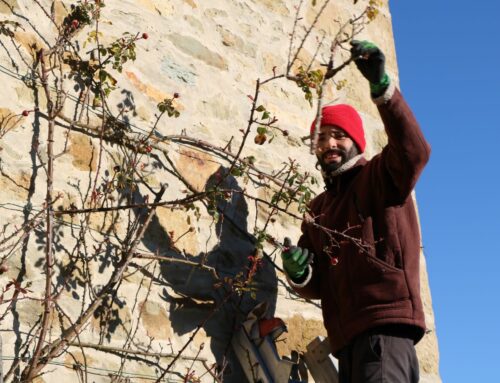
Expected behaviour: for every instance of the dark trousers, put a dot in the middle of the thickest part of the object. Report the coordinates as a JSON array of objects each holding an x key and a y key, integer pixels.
[{"x": 378, "y": 358}]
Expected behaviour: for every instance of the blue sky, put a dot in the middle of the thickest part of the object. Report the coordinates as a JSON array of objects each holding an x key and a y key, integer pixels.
[{"x": 449, "y": 64}]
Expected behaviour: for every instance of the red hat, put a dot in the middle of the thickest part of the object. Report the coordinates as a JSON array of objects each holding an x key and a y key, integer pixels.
[{"x": 347, "y": 118}]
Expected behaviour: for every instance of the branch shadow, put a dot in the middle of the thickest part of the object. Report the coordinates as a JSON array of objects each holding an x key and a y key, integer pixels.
[
  {"x": 27, "y": 211},
  {"x": 196, "y": 298}
]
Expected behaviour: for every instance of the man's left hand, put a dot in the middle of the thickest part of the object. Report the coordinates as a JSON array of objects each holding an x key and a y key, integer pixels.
[{"x": 370, "y": 61}]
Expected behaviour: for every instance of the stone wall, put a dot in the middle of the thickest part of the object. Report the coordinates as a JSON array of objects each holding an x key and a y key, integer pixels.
[{"x": 211, "y": 54}]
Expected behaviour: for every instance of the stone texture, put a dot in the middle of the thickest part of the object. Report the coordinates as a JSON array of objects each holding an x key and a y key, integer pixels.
[
  {"x": 16, "y": 184},
  {"x": 160, "y": 7},
  {"x": 301, "y": 332},
  {"x": 178, "y": 223},
  {"x": 29, "y": 41},
  {"x": 194, "y": 48},
  {"x": 194, "y": 22},
  {"x": 149, "y": 90},
  {"x": 214, "y": 13},
  {"x": 196, "y": 167},
  {"x": 8, "y": 120},
  {"x": 215, "y": 108},
  {"x": 191, "y": 3},
  {"x": 8, "y": 6},
  {"x": 155, "y": 320},
  {"x": 84, "y": 153},
  {"x": 60, "y": 11},
  {"x": 277, "y": 6},
  {"x": 175, "y": 71},
  {"x": 427, "y": 349},
  {"x": 234, "y": 41}
]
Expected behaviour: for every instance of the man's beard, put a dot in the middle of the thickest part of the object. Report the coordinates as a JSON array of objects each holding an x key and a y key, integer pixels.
[{"x": 345, "y": 157}]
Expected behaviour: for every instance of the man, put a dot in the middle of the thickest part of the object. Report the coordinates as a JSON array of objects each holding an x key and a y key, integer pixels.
[{"x": 364, "y": 235}]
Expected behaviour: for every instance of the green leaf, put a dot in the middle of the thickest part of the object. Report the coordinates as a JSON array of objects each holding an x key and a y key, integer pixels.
[
  {"x": 112, "y": 80},
  {"x": 265, "y": 115},
  {"x": 261, "y": 130},
  {"x": 260, "y": 108},
  {"x": 251, "y": 160},
  {"x": 236, "y": 172},
  {"x": 103, "y": 75}
]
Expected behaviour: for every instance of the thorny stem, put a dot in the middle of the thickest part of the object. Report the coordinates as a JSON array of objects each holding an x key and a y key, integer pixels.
[
  {"x": 248, "y": 129},
  {"x": 292, "y": 36},
  {"x": 311, "y": 27},
  {"x": 49, "y": 256},
  {"x": 121, "y": 350},
  {"x": 182, "y": 201},
  {"x": 274, "y": 208},
  {"x": 320, "y": 44},
  {"x": 161, "y": 258}
]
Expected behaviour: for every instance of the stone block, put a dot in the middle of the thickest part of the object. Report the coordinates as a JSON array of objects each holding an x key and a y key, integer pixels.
[{"x": 194, "y": 48}]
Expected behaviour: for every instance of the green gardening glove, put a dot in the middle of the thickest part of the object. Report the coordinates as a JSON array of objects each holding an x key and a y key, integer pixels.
[
  {"x": 371, "y": 63},
  {"x": 295, "y": 260}
]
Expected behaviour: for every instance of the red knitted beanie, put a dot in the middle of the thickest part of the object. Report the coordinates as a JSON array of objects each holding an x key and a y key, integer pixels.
[{"x": 345, "y": 117}]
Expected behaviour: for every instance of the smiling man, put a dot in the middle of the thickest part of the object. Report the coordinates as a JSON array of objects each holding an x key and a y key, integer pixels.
[
  {"x": 341, "y": 139},
  {"x": 359, "y": 253}
]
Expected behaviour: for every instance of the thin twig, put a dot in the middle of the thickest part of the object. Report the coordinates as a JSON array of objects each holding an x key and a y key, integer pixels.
[
  {"x": 121, "y": 350},
  {"x": 160, "y": 258},
  {"x": 311, "y": 27}
]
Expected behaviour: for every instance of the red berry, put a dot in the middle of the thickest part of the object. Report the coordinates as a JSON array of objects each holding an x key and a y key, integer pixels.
[
  {"x": 176, "y": 95},
  {"x": 75, "y": 24},
  {"x": 4, "y": 268},
  {"x": 260, "y": 139},
  {"x": 149, "y": 148},
  {"x": 145, "y": 36},
  {"x": 25, "y": 113},
  {"x": 334, "y": 261}
]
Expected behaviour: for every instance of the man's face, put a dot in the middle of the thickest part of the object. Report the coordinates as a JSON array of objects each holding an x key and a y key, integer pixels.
[{"x": 334, "y": 148}]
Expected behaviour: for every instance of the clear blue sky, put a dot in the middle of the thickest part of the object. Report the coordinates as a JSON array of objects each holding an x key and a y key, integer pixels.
[{"x": 449, "y": 63}]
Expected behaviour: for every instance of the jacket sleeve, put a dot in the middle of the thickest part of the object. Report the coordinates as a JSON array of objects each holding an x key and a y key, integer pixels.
[{"x": 407, "y": 151}]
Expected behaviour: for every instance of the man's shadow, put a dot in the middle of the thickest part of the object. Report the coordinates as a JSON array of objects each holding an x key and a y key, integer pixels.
[{"x": 202, "y": 300}]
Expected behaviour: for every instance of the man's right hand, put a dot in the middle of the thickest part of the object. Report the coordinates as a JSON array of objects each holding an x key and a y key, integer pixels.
[{"x": 295, "y": 260}]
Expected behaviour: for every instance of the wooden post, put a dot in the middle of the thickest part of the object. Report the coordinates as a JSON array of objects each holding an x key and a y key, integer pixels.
[{"x": 320, "y": 362}]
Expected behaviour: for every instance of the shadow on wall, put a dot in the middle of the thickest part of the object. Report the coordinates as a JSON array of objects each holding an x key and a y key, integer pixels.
[{"x": 199, "y": 300}]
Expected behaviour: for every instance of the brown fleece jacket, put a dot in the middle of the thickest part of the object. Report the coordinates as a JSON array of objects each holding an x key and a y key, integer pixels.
[{"x": 366, "y": 265}]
